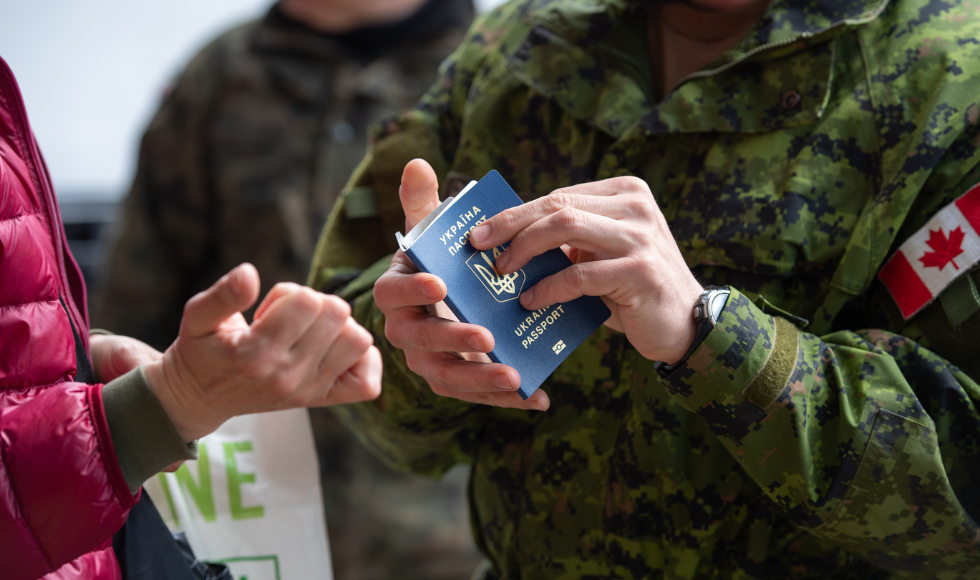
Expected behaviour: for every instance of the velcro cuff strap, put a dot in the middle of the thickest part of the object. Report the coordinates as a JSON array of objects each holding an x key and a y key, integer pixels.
[
  {"x": 359, "y": 203},
  {"x": 766, "y": 387},
  {"x": 960, "y": 300}
]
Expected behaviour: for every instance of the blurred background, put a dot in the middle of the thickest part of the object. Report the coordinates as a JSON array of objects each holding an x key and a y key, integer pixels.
[{"x": 92, "y": 73}]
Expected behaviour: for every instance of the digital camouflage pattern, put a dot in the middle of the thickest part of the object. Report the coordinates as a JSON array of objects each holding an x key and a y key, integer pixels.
[
  {"x": 817, "y": 452},
  {"x": 243, "y": 162}
]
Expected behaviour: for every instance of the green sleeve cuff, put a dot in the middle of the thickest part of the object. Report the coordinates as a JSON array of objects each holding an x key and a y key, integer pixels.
[
  {"x": 143, "y": 436},
  {"x": 748, "y": 355},
  {"x": 364, "y": 282}
]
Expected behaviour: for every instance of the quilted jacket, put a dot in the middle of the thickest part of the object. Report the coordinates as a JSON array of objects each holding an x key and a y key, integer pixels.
[{"x": 62, "y": 493}]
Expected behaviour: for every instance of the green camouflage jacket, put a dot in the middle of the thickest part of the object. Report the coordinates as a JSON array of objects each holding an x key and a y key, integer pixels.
[
  {"x": 243, "y": 161},
  {"x": 789, "y": 169}
]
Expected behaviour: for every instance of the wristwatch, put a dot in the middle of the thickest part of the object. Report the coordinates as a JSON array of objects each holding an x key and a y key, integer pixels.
[{"x": 706, "y": 314}]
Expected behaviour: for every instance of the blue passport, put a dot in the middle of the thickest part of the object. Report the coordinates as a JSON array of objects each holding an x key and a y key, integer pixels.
[{"x": 534, "y": 342}]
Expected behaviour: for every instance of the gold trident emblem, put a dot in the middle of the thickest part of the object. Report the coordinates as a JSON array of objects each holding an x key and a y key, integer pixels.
[{"x": 500, "y": 283}]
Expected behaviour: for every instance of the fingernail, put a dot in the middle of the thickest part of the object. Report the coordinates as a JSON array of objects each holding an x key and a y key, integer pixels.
[
  {"x": 236, "y": 281},
  {"x": 527, "y": 297},
  {"x": 481, "y": 233},
  {"x": 431, "y": 290},
  {"x": 502, "y": 381},
  {"x": 502, "y": 260},
  {"x": 475, "y": 341},
  {"x": 538, "y": 404}
]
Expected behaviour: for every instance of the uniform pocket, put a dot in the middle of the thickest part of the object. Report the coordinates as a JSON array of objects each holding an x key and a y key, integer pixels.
[{"x": 900, "y": 511}]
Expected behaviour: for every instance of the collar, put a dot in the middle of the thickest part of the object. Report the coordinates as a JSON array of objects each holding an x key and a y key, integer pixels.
[
  {"x": 795, "y": 24},
  {"x": 278, "y": 33},
  {"x": 365, "y": 61},
  {"x": 590, "y": 57}
]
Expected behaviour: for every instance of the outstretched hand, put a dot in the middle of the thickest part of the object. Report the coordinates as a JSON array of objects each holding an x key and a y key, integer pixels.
[
  {"x": 448, "y": 354},
  {"x": 302, "y": 350}
]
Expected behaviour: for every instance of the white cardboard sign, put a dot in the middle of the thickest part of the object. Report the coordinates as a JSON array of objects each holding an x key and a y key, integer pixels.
[{"x": 252, "y": 499}]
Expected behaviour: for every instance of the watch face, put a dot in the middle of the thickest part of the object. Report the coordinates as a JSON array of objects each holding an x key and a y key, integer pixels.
[{"x": 716, "y": 304}]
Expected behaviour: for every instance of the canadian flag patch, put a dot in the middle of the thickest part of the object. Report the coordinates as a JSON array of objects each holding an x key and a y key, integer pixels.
[{"x": 936, "y": 255}]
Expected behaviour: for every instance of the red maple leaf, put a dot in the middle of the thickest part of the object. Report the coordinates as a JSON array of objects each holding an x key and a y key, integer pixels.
[{"x": 945, "y": 249}]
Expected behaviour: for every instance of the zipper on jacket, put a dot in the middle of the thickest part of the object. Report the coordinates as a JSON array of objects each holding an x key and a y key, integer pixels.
[{"x": 19, "y": 112}]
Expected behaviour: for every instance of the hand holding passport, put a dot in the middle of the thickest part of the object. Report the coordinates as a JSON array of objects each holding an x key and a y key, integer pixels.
[
  {"x": 534, "y": 342},
  {"x": 507, "y": 274},
  {"x": 436, "y": 346}
]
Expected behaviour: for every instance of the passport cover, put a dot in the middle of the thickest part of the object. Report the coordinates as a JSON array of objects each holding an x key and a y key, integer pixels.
[{"x": 534, "y": 342}]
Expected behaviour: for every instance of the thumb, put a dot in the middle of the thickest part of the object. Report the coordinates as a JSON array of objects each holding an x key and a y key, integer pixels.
[
  {"x": 232, "y": 293},
  {"x": 419, "y": 192}
]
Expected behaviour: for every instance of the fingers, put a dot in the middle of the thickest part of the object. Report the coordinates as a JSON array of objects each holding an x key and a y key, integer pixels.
[
  {"x": 485, "y": 384},
  {"x": 331, "y": 331},
  {"x": 274, "y": 293},
  {"x": 361, "y": 382},
  {"x": 114, "y": 356},
  {"x": 592, "y": 198},
  {"x": 129, "y": 354},
  {"x": 419, "y": 192},
  {"x": 481, "y": 383},
  {"x": 586, "y": 232},
  {"x": 398, "y": 295},
  {"x": 400, "y": 287},
  {"x": 173, "y": 466},
  {"x": 350, "y": 344},
  {"x": 231, "y": 294},
  {"x": 422, "y": 331},
  {"x": 430, "y": 342},
  {"x": 290, "y": 311},
  {"x": 604, "y": 278},
  {"x": 536, "y": 402},
  {"x": 447, "y": 373}
]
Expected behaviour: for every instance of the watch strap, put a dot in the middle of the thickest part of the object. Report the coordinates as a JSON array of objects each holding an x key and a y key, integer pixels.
[{"x": 704, "y": 322}]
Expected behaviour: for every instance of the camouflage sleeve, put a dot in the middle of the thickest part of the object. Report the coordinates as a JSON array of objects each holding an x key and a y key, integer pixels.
[
  {"x": 865, "y": 438},
  {"x": 163, "y": 236},
  {"x": 408, "y": 426}
]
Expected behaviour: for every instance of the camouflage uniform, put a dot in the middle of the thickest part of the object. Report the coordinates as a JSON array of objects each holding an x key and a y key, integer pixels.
[
  {"x": 243, "y": 162},
  {"x": 789, "y": 169}
]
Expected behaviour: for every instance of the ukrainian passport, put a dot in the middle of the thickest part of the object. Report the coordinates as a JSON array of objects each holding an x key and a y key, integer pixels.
[{"x": 534, "y": 342}]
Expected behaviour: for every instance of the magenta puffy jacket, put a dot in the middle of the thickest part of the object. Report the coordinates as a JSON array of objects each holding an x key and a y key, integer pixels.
[{"x": 62, "y": 493}]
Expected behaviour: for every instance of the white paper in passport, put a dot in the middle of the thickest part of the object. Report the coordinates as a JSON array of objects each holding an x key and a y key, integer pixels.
[{"x": 405, "y": 242}]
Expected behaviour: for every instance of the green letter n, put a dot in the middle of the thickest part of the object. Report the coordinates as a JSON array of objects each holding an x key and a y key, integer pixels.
[{"x": 201, "y": 494}]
